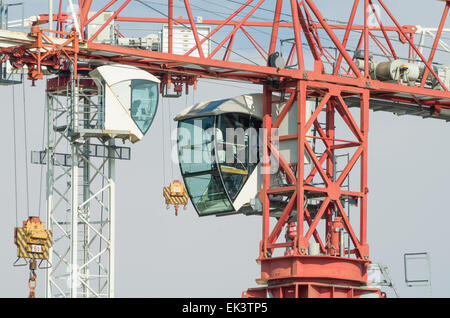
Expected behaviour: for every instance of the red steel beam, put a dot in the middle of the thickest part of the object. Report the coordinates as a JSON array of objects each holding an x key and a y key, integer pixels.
[
  {"x": 275, "y": 26},
  {"x": 405, "y": 28},
  {"x": 95, "y": 15},
  {"x": 347, "y": 34},
  {"x": 333, "y": 37},
  {"x": 428, "y": 65},
  {"x": 236, "y": 28},
  {"x": 301, "y": 142},
  {"x": 194, "y": 28},
  {"x": 113, "y": 16},
  {"x": 297, "y": 35},
  {"x": 436, "y": 42},
  {"x": 394, "y": 55},
  {"x": 219, "y": 27}
]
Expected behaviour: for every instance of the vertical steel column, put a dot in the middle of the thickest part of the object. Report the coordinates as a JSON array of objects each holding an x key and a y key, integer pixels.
[
  {"x": 74, "y": 188},
  {"x": 170, "y": 39},
  {"x": 49, "y": 183},
  {"x": 331, "y": 171},
  {"x": 50, "y": 14},
  {"x": 112, "y": 218},
  {"x": 86, "y": 192},
  {"x": 300, "y": 92},
  {"x": 364, "y": 123},
  {"x": 267, "y": 124},
  {"x": 366, "y": 38},
  {"x": 3, "y": 20}
]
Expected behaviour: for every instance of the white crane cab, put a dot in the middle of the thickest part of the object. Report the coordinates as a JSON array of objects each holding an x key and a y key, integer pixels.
[
  {"x": 219, "y": 152},
  {"x": 130, "y": 98}
]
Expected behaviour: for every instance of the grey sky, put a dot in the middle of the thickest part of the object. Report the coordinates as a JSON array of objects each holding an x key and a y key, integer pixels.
[{"x": 160, "y": 255}]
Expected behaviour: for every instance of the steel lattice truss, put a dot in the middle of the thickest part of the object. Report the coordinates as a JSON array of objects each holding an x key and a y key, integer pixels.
[
  {"x": 80, "y": 198},
  {"x": 309, "y": 25},
  {"x": 308, "y": 75}
]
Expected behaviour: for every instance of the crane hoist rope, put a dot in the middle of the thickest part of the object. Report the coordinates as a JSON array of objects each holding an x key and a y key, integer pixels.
[
  {"x": 42, "y": 166},
  {"x": 33, "y": 241},
  {"x": 170, "y": 126},
  {"x": 175, "y": 194},
  {"x": 15, "y": 153},
  {"x": 163, "y": 128},
  {"x": 25, "y": 144}
]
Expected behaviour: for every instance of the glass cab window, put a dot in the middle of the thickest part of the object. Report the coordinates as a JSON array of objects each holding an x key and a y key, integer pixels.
[
  {"x": 144, "y": 102},
  {"x": 240, "y": 155},
  {"x": 198, "y": 166},
  {"x": 217, "y": 155}
]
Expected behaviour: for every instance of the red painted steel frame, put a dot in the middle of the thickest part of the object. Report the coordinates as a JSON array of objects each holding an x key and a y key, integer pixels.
[
  {"x": 298, "y": 267},
  {"x": 296, "y": 274}
]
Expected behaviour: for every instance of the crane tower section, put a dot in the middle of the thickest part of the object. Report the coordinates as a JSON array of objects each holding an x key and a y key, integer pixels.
[
  {"x": 306, "y": 95},
  {"x": 86, "y": 115}
]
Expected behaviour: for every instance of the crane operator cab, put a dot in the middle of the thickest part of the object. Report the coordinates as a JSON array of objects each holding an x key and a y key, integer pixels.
[
  {"x": 130, "y": 99},
  {"x": 219, "y": 149}
]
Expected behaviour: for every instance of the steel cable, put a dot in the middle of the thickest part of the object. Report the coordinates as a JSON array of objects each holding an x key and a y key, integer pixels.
[
  {"x": 26, "y": 148},
  {"x": 15, "y": 152}
]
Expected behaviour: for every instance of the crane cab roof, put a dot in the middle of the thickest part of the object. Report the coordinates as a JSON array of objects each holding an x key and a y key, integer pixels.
[{"x": 245, "y": 104}]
